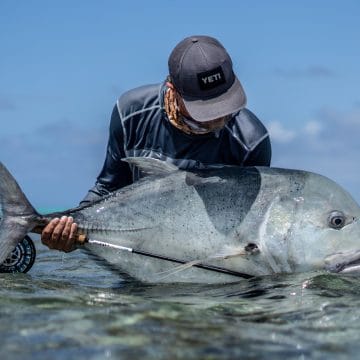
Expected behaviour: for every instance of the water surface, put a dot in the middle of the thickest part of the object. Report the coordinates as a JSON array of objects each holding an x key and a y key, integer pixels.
[{"x": 69, "y": 306}]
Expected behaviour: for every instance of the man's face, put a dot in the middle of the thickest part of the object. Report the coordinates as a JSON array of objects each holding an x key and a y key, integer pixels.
[{"x": 203, "y": 126}]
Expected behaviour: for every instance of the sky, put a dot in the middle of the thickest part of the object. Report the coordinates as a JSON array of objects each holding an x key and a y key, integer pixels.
[{"x": 63, "y": 64}]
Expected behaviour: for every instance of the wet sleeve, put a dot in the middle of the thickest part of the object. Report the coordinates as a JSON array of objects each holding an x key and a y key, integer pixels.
[
  {"x": 260, "y": 155},
  {"x": 115, "y": 173}
]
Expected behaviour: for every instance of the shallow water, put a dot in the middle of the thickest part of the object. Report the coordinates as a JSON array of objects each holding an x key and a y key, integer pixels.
[{"x": 69, "y": 306}]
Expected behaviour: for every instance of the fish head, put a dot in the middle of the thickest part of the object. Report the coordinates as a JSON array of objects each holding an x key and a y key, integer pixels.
[{"x": 325, "y": 231}]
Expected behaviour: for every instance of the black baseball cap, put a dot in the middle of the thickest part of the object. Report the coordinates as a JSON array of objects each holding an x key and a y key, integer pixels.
[{"x": 201, "y": 71}]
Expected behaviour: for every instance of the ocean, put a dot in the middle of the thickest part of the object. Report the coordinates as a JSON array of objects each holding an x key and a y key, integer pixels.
[{"x": 70, "y": 306}]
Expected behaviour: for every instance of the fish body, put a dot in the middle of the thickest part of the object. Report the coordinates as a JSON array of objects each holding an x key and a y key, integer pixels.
[{"x": 254, "y": 220}]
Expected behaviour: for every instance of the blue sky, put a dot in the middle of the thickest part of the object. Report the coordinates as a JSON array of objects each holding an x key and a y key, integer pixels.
[{"x": 64, "y": 63}]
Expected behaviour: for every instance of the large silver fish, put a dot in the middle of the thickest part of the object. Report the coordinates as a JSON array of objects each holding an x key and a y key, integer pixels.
[{"x": 210, "y": 226}]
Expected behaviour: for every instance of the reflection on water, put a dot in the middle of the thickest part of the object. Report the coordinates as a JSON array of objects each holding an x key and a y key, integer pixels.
[{"x": 69, "y": 306}]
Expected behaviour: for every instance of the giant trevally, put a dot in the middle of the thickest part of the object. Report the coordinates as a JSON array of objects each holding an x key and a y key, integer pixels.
[{"x": 184, "y": 226}]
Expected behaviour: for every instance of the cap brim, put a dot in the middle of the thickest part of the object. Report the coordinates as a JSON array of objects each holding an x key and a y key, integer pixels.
[{"x": 227, "y": 103}]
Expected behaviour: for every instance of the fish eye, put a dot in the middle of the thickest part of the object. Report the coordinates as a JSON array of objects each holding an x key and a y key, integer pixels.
[{"x": 337, "y": 220}]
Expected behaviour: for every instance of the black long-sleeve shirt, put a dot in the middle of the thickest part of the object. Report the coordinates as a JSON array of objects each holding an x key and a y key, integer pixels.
[{"x": 139, "y": 127}]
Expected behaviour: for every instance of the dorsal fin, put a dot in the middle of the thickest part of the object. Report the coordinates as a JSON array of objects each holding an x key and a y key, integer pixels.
[{"x": 151, "y": 166}]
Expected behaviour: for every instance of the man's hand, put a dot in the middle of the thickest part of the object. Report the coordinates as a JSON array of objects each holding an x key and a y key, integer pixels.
[{"x": 60, "y": 234}]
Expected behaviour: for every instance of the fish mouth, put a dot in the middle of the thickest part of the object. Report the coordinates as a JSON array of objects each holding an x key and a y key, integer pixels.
[{"x": 344, "y": 262}]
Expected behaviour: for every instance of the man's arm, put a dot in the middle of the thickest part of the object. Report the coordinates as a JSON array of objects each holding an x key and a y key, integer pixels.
[{"x": 115, "y": 173}]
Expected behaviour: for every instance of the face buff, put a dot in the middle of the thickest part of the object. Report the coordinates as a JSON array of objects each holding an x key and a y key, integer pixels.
[
  {"x": 208, "y": 126},
  {"x": 187, "y": 125}
]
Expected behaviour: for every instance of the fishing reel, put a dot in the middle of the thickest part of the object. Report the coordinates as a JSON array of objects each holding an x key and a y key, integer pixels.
[{"x": 21, "y": 258}]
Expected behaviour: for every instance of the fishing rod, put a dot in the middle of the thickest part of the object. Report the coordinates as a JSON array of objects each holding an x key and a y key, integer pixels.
[
  {"x": 171, "y": 259},
  {"x": 81, "y": 239}
]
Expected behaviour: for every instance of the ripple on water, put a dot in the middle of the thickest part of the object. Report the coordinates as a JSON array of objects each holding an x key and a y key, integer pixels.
[{"x": 71, "y": 307}]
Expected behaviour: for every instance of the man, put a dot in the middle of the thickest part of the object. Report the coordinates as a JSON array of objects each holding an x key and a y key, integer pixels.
[{"x": 196, "y": 119}]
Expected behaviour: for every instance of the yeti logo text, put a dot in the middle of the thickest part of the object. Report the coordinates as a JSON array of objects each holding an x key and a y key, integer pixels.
[{"x": 211, "y": 79}]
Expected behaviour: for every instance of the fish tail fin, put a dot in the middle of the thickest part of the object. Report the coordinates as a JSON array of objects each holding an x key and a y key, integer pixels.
[{"x": 17, "y": 215}]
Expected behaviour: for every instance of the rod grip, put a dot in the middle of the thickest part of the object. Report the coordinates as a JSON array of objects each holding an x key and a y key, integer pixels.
[{"x": 79, "y": 238}]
